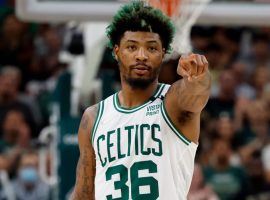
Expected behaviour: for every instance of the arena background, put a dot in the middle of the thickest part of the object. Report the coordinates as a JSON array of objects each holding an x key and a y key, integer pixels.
[{"x": 54, "y": 63}]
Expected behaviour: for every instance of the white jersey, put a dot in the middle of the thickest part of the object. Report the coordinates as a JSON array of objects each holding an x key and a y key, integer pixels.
[{"x": 139, "y": 152}]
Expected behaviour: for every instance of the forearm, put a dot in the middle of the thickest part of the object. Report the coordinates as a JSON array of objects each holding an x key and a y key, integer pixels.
[
  {"x": 192, "y": 95},
  {"x": 83, "y": 190},
  {"x": 84, "y": 187},
  {"x": 78, "y": 194}
]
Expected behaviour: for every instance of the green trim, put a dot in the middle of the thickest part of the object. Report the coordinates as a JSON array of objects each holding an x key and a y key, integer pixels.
[
  {"x": 172, "y": 126},
  {"x": 121, "y": 109},
  {"x": 100, "y": 112},
  {"x": 162, "y": 86}
]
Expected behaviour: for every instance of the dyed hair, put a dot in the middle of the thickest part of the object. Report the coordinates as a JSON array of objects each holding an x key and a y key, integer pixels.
[{"x": 136, "y": 16}]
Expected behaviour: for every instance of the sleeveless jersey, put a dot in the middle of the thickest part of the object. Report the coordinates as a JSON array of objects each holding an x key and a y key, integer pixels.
[{"x": 139, "y": 152}]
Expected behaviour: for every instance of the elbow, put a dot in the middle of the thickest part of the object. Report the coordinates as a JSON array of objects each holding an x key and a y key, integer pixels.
[
  {"x": 196, "y": 104},
  {"x": 185, "y": 116}
]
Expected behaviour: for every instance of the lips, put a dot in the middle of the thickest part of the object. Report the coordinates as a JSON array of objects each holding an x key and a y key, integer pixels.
[{"x": 141, "y": 69}]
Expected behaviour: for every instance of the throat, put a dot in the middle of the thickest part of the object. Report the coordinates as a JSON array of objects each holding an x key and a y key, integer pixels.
[{"x": 130, "y": 98}]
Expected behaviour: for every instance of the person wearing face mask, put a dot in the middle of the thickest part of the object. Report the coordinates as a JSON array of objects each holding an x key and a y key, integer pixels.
[{"x": 28, "y": 185}]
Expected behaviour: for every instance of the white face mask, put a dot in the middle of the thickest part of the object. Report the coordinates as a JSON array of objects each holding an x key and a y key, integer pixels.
[{"x": 28, "y": 175}]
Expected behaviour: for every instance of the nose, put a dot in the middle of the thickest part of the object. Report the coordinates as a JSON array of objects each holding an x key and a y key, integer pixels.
[{"x": 141, "y": 55}]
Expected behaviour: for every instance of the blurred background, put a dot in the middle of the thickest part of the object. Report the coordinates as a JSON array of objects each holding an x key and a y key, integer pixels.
[{"x": 54, "y": 63}]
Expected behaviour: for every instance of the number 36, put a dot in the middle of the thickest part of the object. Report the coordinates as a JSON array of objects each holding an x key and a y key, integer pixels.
[{"x": 135, "y": 181}]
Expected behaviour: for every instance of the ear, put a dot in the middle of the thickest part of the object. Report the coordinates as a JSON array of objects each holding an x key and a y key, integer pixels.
[
  {"x": 163, "y": 52},
  {"x": 115, "y": 52}
]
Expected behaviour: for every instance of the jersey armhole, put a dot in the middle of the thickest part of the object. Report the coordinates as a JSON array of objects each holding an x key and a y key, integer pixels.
[
  {"x": 177, "y": 132},
  {"x": 97, "y": 120}
]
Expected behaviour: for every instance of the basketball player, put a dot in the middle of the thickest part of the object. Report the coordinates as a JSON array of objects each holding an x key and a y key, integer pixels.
[{"x": 140, "y": 143}]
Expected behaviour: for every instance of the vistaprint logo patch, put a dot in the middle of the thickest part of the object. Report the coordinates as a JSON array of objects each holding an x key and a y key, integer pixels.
[{"x": 152, "y": 110}]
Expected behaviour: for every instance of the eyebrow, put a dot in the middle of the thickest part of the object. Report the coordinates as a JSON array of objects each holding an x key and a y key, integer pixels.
[{"x": 150, "y": 41}]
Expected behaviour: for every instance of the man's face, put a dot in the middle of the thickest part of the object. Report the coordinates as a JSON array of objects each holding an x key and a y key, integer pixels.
[{"x": 139, "y": 55}]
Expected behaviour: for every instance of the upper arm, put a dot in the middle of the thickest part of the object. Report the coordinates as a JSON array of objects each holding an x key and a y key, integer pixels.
[{"x": 85, "y": 175}]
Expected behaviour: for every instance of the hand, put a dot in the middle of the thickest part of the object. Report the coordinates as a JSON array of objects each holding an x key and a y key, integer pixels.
[{"x": 192, "y": 66}]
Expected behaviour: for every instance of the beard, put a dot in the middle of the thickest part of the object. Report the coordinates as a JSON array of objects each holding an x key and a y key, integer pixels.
[{"x": 139, "y": 83}]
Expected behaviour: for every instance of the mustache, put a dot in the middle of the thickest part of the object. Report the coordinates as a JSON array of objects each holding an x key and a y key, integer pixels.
[{"x": 140, "y": 64}]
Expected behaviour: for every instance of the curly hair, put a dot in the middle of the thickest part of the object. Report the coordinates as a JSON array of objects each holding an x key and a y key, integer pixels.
[{"x": 136, "y": 16}]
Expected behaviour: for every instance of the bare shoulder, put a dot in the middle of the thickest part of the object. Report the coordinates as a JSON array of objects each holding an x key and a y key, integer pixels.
[
  {"x": 89, "y": 117},
  {"x": 91, "y": 111},
  {"x": 87, "y": 123}
]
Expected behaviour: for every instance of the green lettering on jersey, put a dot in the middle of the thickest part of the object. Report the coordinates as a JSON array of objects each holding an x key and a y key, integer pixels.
[
  {"x": 129, "y": 129},
  {"x": 109, "y": 145},
  {"x": 136, "y": 141},
  {"x": 141, "y": 139},
  {"x": 143, "y": 129},
  {"x": 119, "y": 145},
  {"x": 101, "y": 138},
  {"x": 155, "y": 128}
]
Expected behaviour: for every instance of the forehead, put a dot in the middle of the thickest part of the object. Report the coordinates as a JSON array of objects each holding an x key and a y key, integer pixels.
[{"x": 140, "y": 37}]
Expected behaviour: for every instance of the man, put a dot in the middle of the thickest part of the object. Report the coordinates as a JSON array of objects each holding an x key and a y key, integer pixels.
[{"x": 130, "y": 144}]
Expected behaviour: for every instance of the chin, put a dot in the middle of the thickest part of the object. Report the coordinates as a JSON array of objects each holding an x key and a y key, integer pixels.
[{"x": 140, "y": 83}]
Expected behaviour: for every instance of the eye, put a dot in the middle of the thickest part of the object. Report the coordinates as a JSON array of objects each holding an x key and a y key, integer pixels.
[
  {"x": 131, "y": 47},
  {"x": 152, "y": 49}
]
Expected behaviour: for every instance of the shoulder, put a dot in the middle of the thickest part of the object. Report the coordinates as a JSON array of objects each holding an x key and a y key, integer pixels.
[
  {"x": 90, "y": 113},
  {"x": 92, "y": 110},
  {"x": 88, "y": 119},
  {"x": 87, "y": 125}
]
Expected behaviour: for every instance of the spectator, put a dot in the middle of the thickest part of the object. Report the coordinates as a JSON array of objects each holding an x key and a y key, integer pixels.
[
  {"x": 260, "y": 187},
  {"x": 254, "y": 134},
  {"x": 28, "y": 185},
  {"x": 227, "y": 181},
  {"x": 225, "y": 100},
  {"x": 16, "y": 131},
  {"x": 243, "y": 88},
  {"x": 259, "y": 55},
  {"x": 198, "y": 189},
  {"x": 9, "y": 94},
  {"x": 15, "y": 42},
  {"x": 16, "y": 137},
  {"x": 214, "y": 53},
  {"x": 260, "y": 79},
  {"x": 45, "y": 62}
]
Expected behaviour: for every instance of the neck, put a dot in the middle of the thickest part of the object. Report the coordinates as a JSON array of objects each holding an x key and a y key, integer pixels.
[{"x": 131, "y": 97}]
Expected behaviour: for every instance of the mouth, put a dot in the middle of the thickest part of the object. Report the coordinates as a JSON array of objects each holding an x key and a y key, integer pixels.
[{"x": 141, "y": 70}]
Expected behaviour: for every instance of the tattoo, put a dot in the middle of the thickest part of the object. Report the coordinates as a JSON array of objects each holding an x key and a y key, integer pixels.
[
  {"x": 85, "y": 172},
  {"x": 85, "y": 179},
  {"x": 85, "y": 121},
  {"x": 86, "y": 187}
]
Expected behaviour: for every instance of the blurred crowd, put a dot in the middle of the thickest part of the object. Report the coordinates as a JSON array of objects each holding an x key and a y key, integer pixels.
[
  {"x": 29, "y": 67},
  {"x": 233, "y": 159},
  {"x": 234, "y": 153}
]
